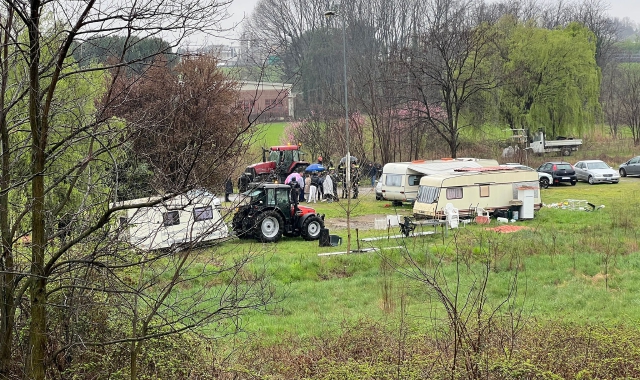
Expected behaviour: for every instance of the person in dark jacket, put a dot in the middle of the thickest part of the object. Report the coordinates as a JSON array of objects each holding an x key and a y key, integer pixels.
[
  {"x": 228, "y": 189},
  {"x": 373, "y": 174},
  {"x": 243, "y": 183}
]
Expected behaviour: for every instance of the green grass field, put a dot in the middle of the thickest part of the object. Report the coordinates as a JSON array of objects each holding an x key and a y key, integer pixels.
[
  {"x": 269, "y": 134},
  {"x": 575, "y": 266}
]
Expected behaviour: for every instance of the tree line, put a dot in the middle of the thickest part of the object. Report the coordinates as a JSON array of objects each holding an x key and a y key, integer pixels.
[{"x": 424, "y": 72}]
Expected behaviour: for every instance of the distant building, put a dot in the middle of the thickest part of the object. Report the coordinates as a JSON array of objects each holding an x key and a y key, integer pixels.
[
  {"x": 227, "y": 55},
  {"x": 268, "y": 101}
]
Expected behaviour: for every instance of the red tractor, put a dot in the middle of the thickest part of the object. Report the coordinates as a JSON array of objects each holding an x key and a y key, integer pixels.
[
  {"x": 282, "y": 161},
  {"x": 270, "y": 213}
]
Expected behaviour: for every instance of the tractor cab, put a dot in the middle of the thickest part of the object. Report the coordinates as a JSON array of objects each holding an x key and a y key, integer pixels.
[
  {"x": 274, "y": 196},
  {"x": 286, "y": 154}
]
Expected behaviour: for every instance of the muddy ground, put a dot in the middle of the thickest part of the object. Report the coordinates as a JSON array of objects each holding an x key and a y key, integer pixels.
[{"x": 364, "y": 222}]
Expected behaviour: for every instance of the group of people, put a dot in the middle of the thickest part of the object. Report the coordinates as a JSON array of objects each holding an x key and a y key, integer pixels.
[
  {"x": 311, "y": 187},
  {"x": 322, "y": 186},
  {"x": 319, "y": 186},
  {"x": 355, "y": 180}
]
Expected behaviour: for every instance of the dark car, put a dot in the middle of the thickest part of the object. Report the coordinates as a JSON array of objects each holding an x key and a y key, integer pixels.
[
  {"x": 560, "y": 172},
  {"x": 631, "y": 167}
]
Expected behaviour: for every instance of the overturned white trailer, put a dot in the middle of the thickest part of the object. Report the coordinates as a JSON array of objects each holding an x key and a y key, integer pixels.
[{"x": 191, "y": 218}]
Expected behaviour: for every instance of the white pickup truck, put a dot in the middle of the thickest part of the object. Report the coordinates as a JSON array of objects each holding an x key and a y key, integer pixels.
[{"x": 541, "y": 145}]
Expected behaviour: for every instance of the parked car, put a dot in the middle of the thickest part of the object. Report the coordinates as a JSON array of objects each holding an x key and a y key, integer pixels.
[
  {"x": 595, "y": 171},
  {"x": 560, "y": 171},
  {"x": 379, "y": 190},
  {"x": 544, "y": 178},
  {"x": 631, "y": 167}
]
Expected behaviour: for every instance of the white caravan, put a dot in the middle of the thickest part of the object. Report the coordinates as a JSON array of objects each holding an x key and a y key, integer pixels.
[
  {"x": 481, "y": 189},
  {"x": 190, "y": 218},
  {"x": 400, "y": 180}
]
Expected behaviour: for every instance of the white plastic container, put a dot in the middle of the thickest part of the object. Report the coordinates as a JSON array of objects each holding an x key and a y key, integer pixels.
[{"x": 380, "y": 224}]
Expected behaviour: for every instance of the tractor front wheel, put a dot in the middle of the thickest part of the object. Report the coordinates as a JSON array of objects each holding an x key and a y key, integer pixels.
[
  {"x": 239, "y": 227},
  {"x": 311, "y": 228},
  {"x": 269, "y": 227}
]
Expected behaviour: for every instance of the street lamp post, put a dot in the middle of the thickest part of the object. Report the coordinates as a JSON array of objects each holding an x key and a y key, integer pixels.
[{"x": 330, "y": 14}]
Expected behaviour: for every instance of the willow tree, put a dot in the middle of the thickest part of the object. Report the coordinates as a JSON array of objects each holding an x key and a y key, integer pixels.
[{"x": 552, "y": 81}]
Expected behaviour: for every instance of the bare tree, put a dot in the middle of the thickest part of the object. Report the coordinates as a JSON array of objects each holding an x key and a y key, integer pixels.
[
  {"x": 593, "y": 15},
  {"x": 462, "y": 317},
  {"x": 58, "y": 144},
  {"x": 630, "y": 100},
  {"x": 610, "y": 98},
  {"x": 448, "y": 67}
]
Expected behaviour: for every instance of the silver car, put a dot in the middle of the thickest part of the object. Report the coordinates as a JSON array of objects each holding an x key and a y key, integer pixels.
[
  {"x": 595, "y": 171},
  {"x": 544, "y": 178},
  {"x": 378, "y": 191},
  {"x": 631, "y": 167}
]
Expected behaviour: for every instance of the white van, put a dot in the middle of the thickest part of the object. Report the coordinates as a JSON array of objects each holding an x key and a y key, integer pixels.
[
  {"x": 190, "y": 218},
  {"x": 400, "y": 180},
  {"x": 469, "y": 190}
]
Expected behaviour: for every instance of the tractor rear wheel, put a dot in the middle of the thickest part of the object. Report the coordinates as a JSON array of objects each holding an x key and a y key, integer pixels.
[
  {"x": 311, "y": 228},
  {"x": 268, "y": 228}
]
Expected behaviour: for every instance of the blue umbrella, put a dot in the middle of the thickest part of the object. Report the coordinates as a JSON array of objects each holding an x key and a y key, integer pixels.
[{"x": 315, "y": 168}]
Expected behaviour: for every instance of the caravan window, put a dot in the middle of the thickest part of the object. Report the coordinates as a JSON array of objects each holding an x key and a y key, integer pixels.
[
  {"x": 428, "y": 194},
  {"x": 394, "y": 180},
  {"x": 203, "y": 213},
  {"x": 171, "y": 218},
  {"x": 454, "y": 193},
  {"x": 414, "y": 180}
]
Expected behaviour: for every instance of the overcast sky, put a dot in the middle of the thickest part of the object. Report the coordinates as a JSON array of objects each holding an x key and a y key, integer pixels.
[{"x": 240, "y": 9}]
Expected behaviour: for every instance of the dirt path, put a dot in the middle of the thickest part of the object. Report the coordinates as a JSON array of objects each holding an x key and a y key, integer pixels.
[{"x": 363, "y": 222}]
